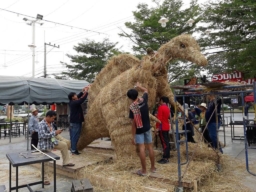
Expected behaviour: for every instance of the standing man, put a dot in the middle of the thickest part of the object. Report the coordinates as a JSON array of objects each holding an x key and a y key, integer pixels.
[
  {"x": 163, "y": 114},
  {"x": 190, "y": 118},
  {"x": 141, "y": 133},
  {"x": 33, "y": 127},
  {"x": 212, "y": 116},
  {"x": 76, "y": 116},
  {"x": 200, "y": 111}
]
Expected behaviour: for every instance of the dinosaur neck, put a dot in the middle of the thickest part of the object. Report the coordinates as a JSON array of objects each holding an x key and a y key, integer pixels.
[{"x": 163, "y": 56}]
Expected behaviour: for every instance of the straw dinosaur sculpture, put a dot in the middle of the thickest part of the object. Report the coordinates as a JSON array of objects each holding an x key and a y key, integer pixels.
[{"x": 108, "y": 105}]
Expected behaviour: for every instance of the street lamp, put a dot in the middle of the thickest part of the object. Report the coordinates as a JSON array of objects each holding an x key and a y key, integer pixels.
[
  {"x": 207, "y": 32},
  {"x": 190, "y": 22},
  {"x": 163, "y": 21},
  {"x": 33, "y": 46},
  {"x": 39, "y": 17}
]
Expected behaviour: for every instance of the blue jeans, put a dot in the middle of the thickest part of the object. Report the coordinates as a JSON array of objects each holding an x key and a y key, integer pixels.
[
  {"x": 144, "y": 137},
  {"x": 213, "y": 134},
  {"x": 74, "y": 131}
]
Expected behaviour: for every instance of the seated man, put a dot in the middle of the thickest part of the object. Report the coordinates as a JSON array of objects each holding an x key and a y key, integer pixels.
[{"x": 49, "y": 138}]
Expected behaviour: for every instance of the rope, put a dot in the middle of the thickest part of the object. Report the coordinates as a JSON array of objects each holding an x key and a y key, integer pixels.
[{"x": 43, "y": 153}]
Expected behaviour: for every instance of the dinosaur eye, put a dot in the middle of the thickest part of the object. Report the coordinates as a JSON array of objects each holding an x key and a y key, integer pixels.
[{"x": 182, "y": 46}]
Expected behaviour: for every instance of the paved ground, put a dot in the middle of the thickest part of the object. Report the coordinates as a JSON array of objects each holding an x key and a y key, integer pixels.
[
  {"x": 235, "y": 149},
  {"x": 27, "y": 173}
]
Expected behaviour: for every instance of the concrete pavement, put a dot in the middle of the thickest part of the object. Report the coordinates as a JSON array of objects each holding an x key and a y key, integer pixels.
[
  {"x": 31, "y": 174},
  {"x": 26, "y": 173}
]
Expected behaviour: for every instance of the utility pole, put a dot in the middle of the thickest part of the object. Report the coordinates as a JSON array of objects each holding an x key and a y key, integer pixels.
[
  {"x": 33, "y": 46},
  {"x": 45, "y": 44}
]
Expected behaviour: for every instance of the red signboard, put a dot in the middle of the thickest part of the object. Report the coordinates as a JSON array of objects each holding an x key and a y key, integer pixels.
[
  {"x": 249, "y": 98},
  {"x": 236, "y": 76}
]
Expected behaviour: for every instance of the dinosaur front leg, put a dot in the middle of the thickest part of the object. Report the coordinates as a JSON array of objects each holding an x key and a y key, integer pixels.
[{"x": 93, "y": 128}]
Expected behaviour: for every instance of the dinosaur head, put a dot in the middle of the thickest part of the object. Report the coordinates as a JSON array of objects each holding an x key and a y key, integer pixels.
[{"x": 182, "y": 47}]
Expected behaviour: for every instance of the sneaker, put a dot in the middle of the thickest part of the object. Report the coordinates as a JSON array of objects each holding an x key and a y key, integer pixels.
[
  {"x": 75, "y": 153},
  {"x": 160, "y": 160},
  {"x": 164, "y": 161},
  {"x": 78, "y": 152}
]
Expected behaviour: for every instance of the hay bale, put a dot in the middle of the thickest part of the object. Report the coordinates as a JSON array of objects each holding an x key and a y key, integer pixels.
[{"x": 200, "y": 151}]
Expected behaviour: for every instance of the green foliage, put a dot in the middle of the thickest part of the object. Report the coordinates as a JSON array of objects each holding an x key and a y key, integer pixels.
[
  {"x": 233, "y": 35},
  {"x": 19, "y": 119},
  {"x": 147, "y": 32},
  {"x": 90, "y": 59},
  {"x": 44, "y": 111}
]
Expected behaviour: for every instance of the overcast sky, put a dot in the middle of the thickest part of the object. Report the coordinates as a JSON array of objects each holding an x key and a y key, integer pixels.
[{"x": 104, "y": 16}]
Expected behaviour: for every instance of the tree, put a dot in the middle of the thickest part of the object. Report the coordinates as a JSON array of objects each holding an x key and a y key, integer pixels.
[
  {"x": 147, "y": 32},
  {"x": 232, "y": 40},
  {"x": 91, "y": 58}
]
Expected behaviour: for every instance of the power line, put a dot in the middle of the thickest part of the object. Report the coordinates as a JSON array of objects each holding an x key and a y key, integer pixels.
[
  {"x": 80, "y": 36},
  {"x": 69, "y": 41},
  {"x": 73, "y": 37},
  {"x": 56, "y": 9},
  {"x": 10, "y": 54},
  {"x": 83, "y": 13},
  {"x": 12, "y": 50},
  {"x": 100, "y": 27},
  {"x": 11, "y": 4},
  {"x": 57, "y": 23}
]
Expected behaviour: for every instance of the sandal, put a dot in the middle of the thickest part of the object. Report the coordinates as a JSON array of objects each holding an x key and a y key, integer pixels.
[
  {"x": 139, "y": 172},
  {"x": 69, "y": 165},
  {"x": 153, "y": 170},
  {"x": 47, "y": 183}
]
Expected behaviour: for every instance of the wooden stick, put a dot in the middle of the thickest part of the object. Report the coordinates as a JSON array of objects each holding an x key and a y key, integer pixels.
[
  {"x": 195, "y": 186},
  {"x": 43, "y": 153}
]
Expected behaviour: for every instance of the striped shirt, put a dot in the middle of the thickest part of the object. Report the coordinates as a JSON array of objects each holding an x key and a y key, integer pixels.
[{"x": 45, "y": 136}]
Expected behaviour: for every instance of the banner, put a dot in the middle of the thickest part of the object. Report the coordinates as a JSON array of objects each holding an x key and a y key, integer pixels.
[{"x": 236, "y": 76}]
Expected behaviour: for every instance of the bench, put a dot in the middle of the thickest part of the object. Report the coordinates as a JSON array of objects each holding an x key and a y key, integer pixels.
[{"x": 81, "y": 186}]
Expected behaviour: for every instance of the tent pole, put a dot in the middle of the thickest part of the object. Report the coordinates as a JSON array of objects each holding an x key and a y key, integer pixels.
[
  {"x": 10, "y": 132},
  {"x": 28, "y": 128}
]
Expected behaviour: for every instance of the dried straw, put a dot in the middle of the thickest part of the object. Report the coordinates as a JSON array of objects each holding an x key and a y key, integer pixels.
[
  {"x": 112, "y": 108},
  {"x": 116, "y": 65},
  {"x": 118, "y": 175},
  {"x": 108, "y": 104}
]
